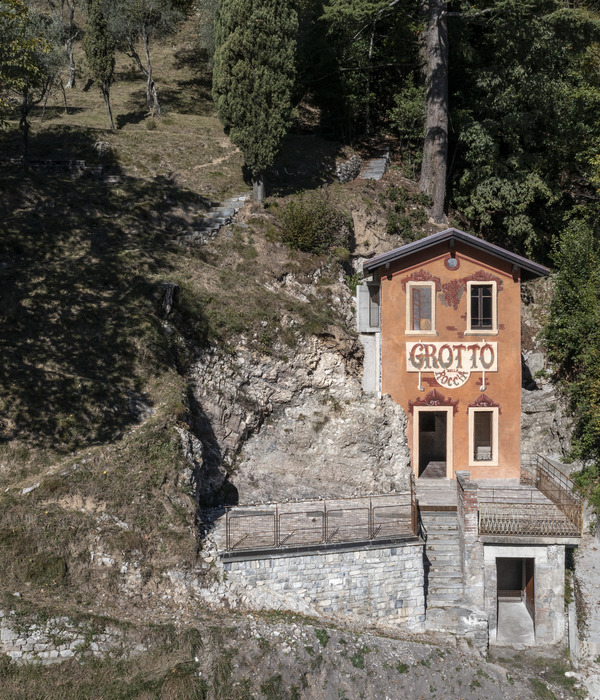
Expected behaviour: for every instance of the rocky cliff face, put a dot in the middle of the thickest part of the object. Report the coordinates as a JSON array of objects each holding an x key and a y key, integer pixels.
[
  {"x": 545, "y": 425},
  {"x": 294, "y": 424},
  {"x": 275, "y": 429}
]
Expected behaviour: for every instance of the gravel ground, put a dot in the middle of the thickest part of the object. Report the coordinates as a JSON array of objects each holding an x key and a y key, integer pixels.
[{"x": 292, "y": 658}]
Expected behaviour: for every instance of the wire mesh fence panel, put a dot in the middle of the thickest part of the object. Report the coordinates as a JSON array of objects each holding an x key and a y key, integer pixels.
[
  {"x": 391, "y": 520},
  {"x": 347, "y": 524},
  {"x": 255, "y": 531},
  {"x": 306, "y": 527},
  {"x": 532, "y": 519}
]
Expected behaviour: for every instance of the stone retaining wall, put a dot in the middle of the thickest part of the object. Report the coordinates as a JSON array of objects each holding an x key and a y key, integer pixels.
[
  {"x": 381, "y": 584},
  {"x": 58, "y": 639},
  {"x": 349, "y": 169}
]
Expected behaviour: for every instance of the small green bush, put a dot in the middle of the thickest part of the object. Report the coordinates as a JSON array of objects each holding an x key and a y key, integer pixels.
[
  {"x": 322, "y": 636},
  {"x": 398, "y": 224},
  {"x": 314, "y": 224}
]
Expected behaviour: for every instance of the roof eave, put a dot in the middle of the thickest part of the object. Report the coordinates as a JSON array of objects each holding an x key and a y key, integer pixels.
[{"x": 529, "y": 268}]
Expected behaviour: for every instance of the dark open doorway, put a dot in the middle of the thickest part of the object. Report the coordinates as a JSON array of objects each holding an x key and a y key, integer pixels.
[
  {"x": 432, "y": 444},
  {"x": 516, "y": 599}
]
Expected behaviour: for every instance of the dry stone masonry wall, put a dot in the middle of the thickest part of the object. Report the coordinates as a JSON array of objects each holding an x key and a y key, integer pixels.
[
  {"x": 380, "y": 584},
  {"x": 58, "y": 639}
]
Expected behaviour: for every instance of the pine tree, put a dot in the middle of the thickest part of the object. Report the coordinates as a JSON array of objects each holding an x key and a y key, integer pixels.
[
  {"x": 253, "y": 78},
  {"x": 99, "y": 47}
]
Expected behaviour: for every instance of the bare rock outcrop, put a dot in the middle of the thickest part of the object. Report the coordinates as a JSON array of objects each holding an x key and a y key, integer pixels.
[{"x": 273, "y": 428}]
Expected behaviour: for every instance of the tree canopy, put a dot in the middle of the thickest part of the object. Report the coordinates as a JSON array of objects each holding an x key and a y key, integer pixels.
[
  {"x": 253, "y": 78},
  {"x": 21, "y": 51},
  {"x": 132, "y": 21},
  {"x": 525, "y": 108}
]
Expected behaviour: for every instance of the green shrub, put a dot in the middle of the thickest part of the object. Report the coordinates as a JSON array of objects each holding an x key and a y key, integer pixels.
[
  {"x": 314, "y": 223},
  {"x": 322, "y": 636}
]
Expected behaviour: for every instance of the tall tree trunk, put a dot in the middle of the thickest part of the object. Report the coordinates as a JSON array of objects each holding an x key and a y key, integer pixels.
[
  {"x": 105, "y": 90},
  {"x": 258, "y": 187},
  {"x": 368, "y": 89},
  {"x": 24, "y": 127},
  {"x": 435, "y": 147},
  {"x": 151, "y": 93},
  {"x": 69, "y": 48}
]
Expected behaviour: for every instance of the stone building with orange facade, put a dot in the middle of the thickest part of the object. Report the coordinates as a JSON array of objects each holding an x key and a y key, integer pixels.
[
  {"x": 440, "y": 323},
  {"x": 443, "y": 316}
]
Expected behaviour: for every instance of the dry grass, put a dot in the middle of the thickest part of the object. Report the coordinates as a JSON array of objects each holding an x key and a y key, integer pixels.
[{"x": 93, "y": 379}]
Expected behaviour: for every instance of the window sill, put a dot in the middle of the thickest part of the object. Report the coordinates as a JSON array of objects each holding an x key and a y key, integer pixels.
[
  {"x": 482, "y": 333},
  {"x": 417, "y": 333}
]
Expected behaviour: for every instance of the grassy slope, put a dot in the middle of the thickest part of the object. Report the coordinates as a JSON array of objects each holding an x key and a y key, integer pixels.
[{"x": 93, "y": 376}]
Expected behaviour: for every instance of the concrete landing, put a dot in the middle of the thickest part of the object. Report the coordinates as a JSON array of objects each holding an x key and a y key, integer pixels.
[
  {"x": 515, "y": 626},
  {"x": 436, "y": 492}
]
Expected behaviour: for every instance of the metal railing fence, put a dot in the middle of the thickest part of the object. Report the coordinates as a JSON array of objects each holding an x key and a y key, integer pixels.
[
  {"x": 305, "y": 523},
  {"x": 528, "y": 519},
  {"x": 520, "y": 511}
]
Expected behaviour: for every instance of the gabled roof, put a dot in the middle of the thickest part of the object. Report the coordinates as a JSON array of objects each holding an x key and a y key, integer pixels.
[{"x": 529, "y": 268}]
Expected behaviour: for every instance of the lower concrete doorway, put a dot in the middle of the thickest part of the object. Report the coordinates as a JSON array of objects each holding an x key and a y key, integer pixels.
[{"x": 516, "y": 601}]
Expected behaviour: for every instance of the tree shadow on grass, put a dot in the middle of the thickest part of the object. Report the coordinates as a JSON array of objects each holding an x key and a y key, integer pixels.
[
  {"x": 192, "y": 96},
  {"x": 135, "y": 117},
  {"x": 81, "y": 266},
  {"x": 306, "y": 162},
  {"x": 189, "y": 96}
]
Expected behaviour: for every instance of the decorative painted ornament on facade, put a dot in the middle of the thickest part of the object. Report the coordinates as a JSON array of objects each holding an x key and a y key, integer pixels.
[{"x": 434, "y": 398}]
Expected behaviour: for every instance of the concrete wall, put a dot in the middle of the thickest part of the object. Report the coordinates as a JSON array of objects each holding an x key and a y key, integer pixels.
[
  {"x": 379, "y": 584},
  {"x": 371, "y": 343},
  {"x": 468, "y": 536},
  {"x": 549, "y": 584}
]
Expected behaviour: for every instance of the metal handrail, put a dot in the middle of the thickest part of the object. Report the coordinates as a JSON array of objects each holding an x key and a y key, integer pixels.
[
  {"x": 524, "y": 514},
  {"x": 342, "y": 520}
]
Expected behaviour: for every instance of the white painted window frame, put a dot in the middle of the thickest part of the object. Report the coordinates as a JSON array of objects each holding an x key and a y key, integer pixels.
[
  {"x": 495, "y": 432},
  {"x": 483, "y": 331},
  {"x": 409, "y": 319}
]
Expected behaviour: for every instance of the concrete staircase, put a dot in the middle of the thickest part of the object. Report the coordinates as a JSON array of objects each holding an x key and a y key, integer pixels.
[
  {"x": 443, "y": 573},
  {"x": 215, "y": 218}
]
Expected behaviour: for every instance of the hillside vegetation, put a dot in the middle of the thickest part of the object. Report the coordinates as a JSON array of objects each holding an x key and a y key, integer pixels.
[{"x": 94, "y": 369}]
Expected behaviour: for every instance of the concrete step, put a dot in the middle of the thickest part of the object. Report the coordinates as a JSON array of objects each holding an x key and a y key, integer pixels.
[
  {"x": 442, "y": 546},
  {"x": 436, "y": 567},
  {"x": 442, "y": 519},
  {"x": 452, "y": 566},
  {"x": 437, "y": 517},
  {"x": 435, "y": 588},
  {"x": 445, "y": 575},
  {"x": 439, "y": 539},
  {"x": 449, "y": 574},
  {"x": 441, "y": 530},
  {"x": 441, "y": 600}
]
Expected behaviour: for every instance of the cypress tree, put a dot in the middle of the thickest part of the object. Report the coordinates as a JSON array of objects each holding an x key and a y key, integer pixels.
[
  {"x": 99, "y": 47},
  {"x": 253, "y": 78}
]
